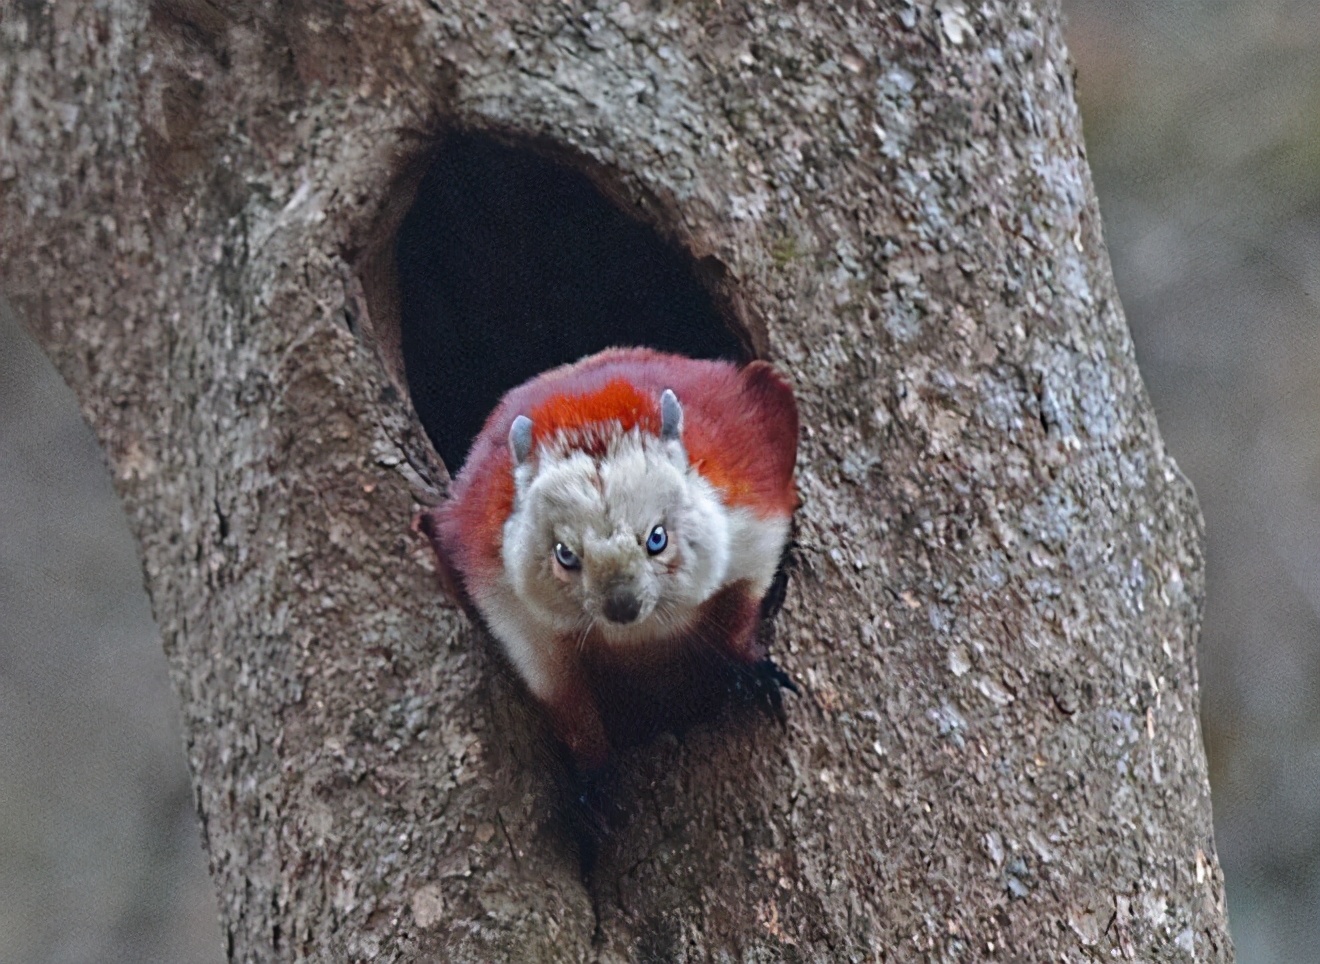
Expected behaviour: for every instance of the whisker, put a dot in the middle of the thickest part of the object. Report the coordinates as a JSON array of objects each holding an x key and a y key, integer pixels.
[{"x": 582, "y": 640}]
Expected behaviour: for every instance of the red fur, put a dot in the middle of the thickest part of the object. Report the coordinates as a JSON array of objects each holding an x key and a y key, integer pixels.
[
  {"x": 636, "y": 692},
  {"x": 740, "y": 428},
  {"x": 617, "y": 401},
  {"x": 575, "y": 718}
]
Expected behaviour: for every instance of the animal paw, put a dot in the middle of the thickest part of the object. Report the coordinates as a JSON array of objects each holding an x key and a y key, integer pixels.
[{"x": 763, "y": 683}]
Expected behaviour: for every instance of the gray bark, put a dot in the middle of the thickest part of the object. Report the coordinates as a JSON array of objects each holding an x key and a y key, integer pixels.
[{"x": 998, "y": 752}]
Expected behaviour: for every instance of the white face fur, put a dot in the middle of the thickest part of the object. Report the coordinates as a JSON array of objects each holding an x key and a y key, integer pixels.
[{"x": 576, "y": 544}]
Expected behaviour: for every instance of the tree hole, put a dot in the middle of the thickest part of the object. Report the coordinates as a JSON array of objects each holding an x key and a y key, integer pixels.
[{"x": 509, "y": 264}]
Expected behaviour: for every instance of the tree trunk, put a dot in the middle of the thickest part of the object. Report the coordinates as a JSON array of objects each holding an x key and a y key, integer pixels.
[{"x": 996, "y": 753}]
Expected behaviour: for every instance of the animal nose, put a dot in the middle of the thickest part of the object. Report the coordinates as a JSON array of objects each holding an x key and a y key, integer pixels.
[{"x": 621, "y": 606}]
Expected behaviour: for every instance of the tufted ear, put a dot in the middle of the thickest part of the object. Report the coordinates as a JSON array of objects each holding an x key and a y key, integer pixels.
[
  {"x": 520, "y": 439},
  {"x": 671, "y": 417}
]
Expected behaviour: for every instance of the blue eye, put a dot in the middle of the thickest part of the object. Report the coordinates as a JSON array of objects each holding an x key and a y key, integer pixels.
[
  {"x": 565, "y": 557},
  {"x": 657, "y": 540}
]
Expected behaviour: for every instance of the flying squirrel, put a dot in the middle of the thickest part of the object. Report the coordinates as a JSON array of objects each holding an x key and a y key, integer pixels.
[{"x": 617, "y": 523}]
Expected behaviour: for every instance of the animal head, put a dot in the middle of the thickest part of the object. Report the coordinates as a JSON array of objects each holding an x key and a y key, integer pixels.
[{"x": 612, "y": 529}]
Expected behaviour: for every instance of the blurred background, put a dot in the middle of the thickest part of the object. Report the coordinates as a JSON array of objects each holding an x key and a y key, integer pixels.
[
  {"x": 1202, "y": 122},
  {"x": 1203, "y": 131}
]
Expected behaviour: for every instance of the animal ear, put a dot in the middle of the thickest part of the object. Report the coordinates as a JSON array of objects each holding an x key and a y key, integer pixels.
[
  {"x": 520, "y": 439},
  {"x": 671, "y": 417}
]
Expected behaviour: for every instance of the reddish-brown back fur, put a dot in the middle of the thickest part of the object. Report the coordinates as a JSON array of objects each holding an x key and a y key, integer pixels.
[
  {"x": 618, "y": 400},
  {"x": 640, "y": 691},
  {"x": 740, "y": 428}
]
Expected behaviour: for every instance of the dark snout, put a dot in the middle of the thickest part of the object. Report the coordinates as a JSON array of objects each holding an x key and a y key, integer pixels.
[{"x": 621, "y": 604}]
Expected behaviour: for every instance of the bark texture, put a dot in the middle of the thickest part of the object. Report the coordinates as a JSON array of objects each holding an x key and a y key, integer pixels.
[{"x": 998, "y": 753}]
